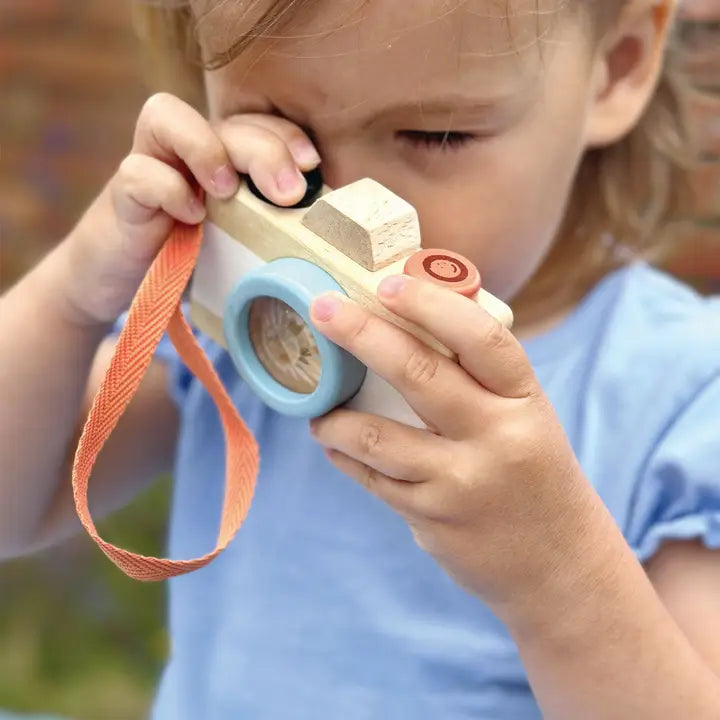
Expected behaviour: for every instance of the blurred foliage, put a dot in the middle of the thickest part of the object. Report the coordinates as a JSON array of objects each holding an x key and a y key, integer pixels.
[{"x": 78, "y": 638}]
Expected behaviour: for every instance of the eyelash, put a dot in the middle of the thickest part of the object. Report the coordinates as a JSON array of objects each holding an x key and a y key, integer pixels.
[{"x": 442, "y": 141}]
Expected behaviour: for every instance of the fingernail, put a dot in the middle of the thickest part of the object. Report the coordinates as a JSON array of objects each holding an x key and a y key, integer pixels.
[
  {"x": 391, "y": 286},
  {"x": 325, "y": 307},
  {"x": 288, "y": 180},
  {"x": 225, "y": 179},
  {"x": 305, "y": 153}
]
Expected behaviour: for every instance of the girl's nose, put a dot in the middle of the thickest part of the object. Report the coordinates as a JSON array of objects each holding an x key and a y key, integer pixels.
[{"x": 343, "y": 164}]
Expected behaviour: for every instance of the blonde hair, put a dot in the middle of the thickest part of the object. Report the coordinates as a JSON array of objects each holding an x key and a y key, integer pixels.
[{"x": 626, "y": 199}]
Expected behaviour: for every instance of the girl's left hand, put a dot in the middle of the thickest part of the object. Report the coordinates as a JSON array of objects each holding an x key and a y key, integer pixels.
[{"x": 492, "y": 488}]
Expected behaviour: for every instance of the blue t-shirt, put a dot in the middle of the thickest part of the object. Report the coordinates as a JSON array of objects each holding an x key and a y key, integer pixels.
[{"x": 324, "y": 608}]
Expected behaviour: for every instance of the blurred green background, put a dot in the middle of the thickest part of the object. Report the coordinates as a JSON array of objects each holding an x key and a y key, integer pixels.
[{"x": 77, "y": 638}]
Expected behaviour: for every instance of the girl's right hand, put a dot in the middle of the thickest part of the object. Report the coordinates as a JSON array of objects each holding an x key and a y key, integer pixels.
[{"x": 174, "y": 149}]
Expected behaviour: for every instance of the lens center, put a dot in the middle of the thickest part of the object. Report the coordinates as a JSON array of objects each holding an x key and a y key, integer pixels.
[{"x": 284, "y": 345}]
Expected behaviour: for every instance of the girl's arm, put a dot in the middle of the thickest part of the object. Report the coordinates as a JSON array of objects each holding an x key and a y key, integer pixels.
[
  {"x": 686, "y": 576},
  {"x": 607, "y": 644},
  {"x": 47, "y": 385}
]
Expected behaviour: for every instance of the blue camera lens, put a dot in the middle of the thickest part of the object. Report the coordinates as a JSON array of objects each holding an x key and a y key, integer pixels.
[{"x": 293, "y": 368}]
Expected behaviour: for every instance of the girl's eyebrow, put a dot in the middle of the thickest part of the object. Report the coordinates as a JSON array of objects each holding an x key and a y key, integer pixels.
[
  {"x": 459, "y": 106},
  {"x": 442, "y": 105},
  {"x": 467, "y": 108}
]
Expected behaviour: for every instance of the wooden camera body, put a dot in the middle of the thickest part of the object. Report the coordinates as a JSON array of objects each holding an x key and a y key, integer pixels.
[{"x": 355, "y": 236}]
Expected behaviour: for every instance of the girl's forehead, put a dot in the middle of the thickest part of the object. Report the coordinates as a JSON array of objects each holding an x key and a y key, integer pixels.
[
  {"x": 484, "y": 27},
  {"x": 348, "y": 57}
]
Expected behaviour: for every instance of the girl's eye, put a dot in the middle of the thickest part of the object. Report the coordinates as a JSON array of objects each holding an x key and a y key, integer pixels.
[{"x": 443, "y": 141}]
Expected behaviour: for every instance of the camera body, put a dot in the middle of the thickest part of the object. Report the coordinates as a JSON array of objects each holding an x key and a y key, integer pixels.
[{"x": 261, "y": 266}]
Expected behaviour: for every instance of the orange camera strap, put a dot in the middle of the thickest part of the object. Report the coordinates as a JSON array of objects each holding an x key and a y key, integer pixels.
[{"x": 155, "y": 309}]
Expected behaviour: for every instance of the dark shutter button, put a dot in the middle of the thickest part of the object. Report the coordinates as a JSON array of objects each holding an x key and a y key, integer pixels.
[{"x": 314, "y": 181}]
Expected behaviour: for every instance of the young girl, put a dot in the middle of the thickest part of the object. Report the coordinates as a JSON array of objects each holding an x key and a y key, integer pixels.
[{"x": 550, "y": 544}]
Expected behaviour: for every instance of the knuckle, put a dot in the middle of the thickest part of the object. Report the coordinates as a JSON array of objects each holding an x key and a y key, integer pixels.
[
  {"x": 238, "y": 129},
  {"x": 177, "y": 187},
  {"x": 370, "y": 438},
  {"x": 495, "y": 336},
  {"x": 359, "y": 330},
  {"x": 156, "y": 104},
  {"x": 458, "y": 468},
  {"x": 517, "y": 440},
  {"x": 291, "y": 133},
  {"x": 430, "y": 506},
  {"x": 270, "y": 144},
  {"x": 421, "y": 367},
  {"x": 130, "y": 170},
  {"x": 459, "y": 498},
  {"x": 371, "y": 478},
  {"x": 207, "y": 150},
  {"x": 527, "y": 388},
  {"x": 281, "y": 126},
  {"x": 152, "y": 119},
  {"x": 275, "y": 152},
  {"x": 459, "y": 475}
]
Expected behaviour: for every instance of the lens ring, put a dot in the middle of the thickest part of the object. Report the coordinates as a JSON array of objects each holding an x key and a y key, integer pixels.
[{"x": 296, "y": 283}]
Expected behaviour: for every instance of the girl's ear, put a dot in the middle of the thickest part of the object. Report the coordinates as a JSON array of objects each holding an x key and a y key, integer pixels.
[{"x": 627, "y": 66}]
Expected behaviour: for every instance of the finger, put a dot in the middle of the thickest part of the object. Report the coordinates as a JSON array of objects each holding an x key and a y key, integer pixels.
[
  {"x": 262, "y": 154},
  {"x": 398, "y": 494},
  {"x": 143, "y": 185},
  {"x": 436, "y": 388},
  {"x": 393, "y": 449},
  {"x": 485, "y": 348},
  {"x": 169, "y": 130},
  {"x": 299, "y": 144}
]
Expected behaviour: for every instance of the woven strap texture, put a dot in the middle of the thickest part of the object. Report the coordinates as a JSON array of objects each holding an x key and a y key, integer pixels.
[{"x": 156, "y": 308}]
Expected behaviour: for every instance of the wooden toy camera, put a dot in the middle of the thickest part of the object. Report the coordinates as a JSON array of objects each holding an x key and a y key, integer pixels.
[{"x": 261, "y": 266}]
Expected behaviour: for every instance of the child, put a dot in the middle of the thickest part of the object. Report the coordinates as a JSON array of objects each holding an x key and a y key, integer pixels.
[{"x": 549, "y": 545}]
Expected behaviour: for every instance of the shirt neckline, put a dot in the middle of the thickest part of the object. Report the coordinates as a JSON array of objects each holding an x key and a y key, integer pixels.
[{"x": 588, "y": 313}]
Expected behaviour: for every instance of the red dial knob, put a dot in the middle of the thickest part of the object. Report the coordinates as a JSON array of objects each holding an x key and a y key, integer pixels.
[{"x": 446, "y": 268}]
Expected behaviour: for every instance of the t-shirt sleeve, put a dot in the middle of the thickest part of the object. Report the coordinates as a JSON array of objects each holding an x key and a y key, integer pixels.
[
  {"x": 678, "y": 492},
  {"x": 179, "y": 377}
]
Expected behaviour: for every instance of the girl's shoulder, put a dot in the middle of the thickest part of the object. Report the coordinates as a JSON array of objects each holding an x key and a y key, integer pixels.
[
  {"x": 661, "y": 304},
  {"x": 661, "y": 317},
  {"x": 663, "y": 330},
  {"x": 641, "y": 320},
  {"x": 636, "y": 379}
]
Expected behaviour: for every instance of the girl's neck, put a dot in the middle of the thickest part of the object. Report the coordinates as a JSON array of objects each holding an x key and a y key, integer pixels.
[
  {"x": 527, "y": 329},
  {"x": 537, "y": 319}
]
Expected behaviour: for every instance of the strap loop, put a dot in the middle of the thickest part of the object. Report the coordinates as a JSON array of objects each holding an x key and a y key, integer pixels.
[{"x": 155, "y": 308}]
